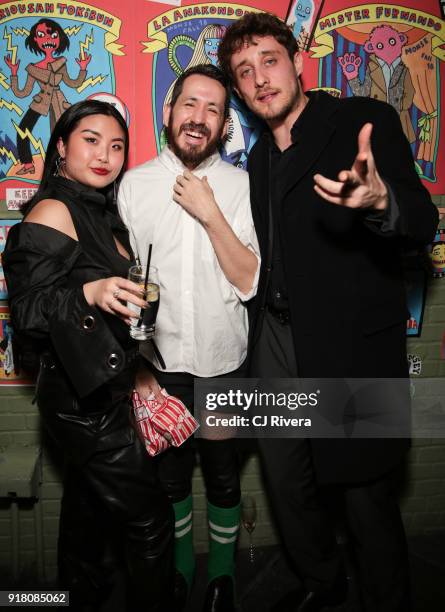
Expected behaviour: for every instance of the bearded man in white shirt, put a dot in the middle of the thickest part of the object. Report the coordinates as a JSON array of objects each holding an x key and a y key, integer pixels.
[{"x": 195, "y": 210}]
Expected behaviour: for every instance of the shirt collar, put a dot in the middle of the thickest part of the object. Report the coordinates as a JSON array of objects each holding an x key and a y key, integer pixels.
[
  {"x": 305, "y": 116},
  {"x": 392, "y": 66},
  {"x": 175, "y": 165}
]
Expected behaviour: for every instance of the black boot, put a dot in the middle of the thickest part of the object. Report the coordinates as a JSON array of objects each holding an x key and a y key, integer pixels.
[
  {"x": 181, "y": 592},
  {"x": 220, "y": 595},
  {"x": 301, "y": 600}
]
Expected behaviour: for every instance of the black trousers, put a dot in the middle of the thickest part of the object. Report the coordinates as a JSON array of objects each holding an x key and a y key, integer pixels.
[
  {"x": 370, "y": 508},
  {"x": 28, "y": 121},
  {"x": 301, "y": 518},
  {"x": 378, "y": 544},
  {"x": 218, "y": 458},
  {"x": 111, "y": 496}
]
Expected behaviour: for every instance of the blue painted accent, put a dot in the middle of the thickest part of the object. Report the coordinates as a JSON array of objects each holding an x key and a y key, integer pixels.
[
  {"x": 339, "y": 49},
  {"x": 414, "y": 114},
  {"x": 329, "y": 74},
  {"x": 364, "y": 56}
]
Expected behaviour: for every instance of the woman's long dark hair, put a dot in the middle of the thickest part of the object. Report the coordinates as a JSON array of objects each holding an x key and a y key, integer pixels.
[{"x": 66, "y": 124}]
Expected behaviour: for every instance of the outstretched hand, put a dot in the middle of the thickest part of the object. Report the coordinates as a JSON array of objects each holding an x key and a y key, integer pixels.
[
  {"x": 11, "y": 65},
  {"x": 350, "y": 65},
  {"x": 359, "y": 187},
  {"x": 83, "y": 62}
]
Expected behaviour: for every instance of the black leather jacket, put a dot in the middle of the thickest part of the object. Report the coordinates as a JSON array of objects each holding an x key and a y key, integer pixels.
[{"x": 45, "y": 271}]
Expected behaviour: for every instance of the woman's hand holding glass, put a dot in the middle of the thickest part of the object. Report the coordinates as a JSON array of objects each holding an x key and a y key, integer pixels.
[{"x": 111, "y": 294}]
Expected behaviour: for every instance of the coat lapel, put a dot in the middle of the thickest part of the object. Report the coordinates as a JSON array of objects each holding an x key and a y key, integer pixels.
[
  {"x": 400, "y": 69},
  {"x": 377, "y": 78},
  {"x": 313, "y": 136},
  {"x": 313, "y": 132}
]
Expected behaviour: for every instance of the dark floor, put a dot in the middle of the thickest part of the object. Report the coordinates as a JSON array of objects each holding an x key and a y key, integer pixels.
[{"x": 262, "y": 582}]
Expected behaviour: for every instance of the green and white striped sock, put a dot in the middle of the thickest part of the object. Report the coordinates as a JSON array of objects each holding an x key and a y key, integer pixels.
[
  {"x": 184, "y": 552},
  {"x": 223, "y": 532}
]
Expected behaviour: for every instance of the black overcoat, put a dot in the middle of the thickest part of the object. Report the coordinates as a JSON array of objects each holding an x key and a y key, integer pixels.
[{"x": 343, "y": 271}]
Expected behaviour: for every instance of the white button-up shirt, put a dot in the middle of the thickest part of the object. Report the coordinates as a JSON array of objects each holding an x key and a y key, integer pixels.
[{"x": 201, "y": 327}]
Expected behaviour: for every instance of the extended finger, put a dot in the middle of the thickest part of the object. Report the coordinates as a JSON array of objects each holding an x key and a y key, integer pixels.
[
  {"x": 122, "y": 311},
  {"x": 128, "y": 285},
  {"x": 328, "y": 185},
  {"x": 127, "y": 296},
  {"x": 328, "y": 196},
  {"x": 361, "y": 165},
  {"x": 336, "y": 199},
  {"x": 364, "y": 139},
  {"x": 349, "y": 178}
]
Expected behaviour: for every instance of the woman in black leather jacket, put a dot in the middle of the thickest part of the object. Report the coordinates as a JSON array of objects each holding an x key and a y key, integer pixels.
[{"x": 66, "y": 266}]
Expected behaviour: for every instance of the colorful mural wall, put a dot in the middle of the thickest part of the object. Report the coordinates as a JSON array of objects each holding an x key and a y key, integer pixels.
[
  {"x": 55, "y": 54},
  {"x": 131, "y": 53}
]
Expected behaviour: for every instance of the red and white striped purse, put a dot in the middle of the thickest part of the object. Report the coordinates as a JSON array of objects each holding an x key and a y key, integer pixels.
[{"x": 162, "y": 424}]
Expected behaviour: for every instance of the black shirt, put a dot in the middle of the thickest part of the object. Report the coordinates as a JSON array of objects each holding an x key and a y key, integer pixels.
[{"x": 277, "y": 295}]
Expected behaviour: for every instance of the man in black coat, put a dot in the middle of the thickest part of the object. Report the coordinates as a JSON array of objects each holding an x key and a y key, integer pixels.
[{"x": 335, "y": 197}]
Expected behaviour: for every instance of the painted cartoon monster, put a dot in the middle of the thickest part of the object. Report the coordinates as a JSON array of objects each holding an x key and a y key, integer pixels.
[
  {"x": 46, "y": 38},
  {"x": 303, "y": 14},
  {"x": 387, "y": 78}
]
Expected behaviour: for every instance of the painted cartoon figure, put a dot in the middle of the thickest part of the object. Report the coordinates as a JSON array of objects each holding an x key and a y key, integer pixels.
[
  {"x": 303, "y": 15},
  {"x": 438, "y": 257},
  {"x": 45, "y": 38},
  {"x": 244, "y": 128},
  {"x": 211, "y": 49},
  {"x": 6, "y": 349},
  {"x": 387, "y": 78},
  {"x": 205, "y": 50}
]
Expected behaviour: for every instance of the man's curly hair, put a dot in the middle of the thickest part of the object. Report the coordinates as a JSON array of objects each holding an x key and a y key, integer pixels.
[{"x": 254, "y": 24}]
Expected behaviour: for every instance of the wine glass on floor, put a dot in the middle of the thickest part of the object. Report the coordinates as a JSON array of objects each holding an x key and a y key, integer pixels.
[{"x": 248, "y": 518}]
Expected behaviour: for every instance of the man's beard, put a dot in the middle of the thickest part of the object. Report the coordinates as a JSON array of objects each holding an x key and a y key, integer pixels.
[
  {"x": 192, "y": 156},
  {"x": 280, "y": 114}
]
